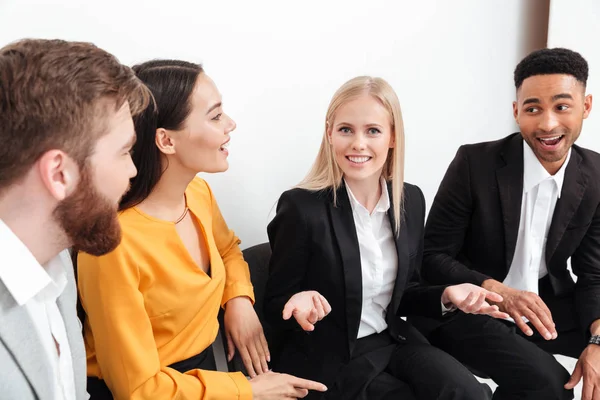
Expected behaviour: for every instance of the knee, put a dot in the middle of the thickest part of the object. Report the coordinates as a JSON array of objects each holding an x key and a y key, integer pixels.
[
  {"x": 546, "y": 381},
  {"x": 475, "y": 391}
]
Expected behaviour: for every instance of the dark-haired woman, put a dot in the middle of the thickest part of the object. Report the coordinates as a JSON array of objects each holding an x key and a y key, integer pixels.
[{"x": 152, "y": 303}]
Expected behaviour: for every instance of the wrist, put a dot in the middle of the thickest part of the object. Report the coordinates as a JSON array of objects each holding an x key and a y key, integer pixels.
[
  {"x": 492, "y": 285},
  {"x": 446, "y": 298},
  {"x": 595, "y": 328},
  {"x": 237, "y": 300}
]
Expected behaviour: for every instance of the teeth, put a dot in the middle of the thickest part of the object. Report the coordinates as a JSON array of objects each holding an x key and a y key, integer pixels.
[
  {"x": 224, "y": 146},
  {"x": 552, "y": 138},
  {"x": 359, "y": 159}
]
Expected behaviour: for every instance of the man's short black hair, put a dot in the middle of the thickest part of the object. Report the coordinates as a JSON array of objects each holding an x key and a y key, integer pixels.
[{"x": 552, "y": 61}]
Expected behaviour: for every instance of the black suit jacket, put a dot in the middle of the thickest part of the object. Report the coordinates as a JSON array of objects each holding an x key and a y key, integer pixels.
[
  {"x": 315, "y": 247},
  {"x": 472, "y": 228}
]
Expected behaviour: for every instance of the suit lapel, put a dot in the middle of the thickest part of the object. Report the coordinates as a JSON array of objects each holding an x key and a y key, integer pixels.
[
  {"x": 572, "y": 192},
  {"x": 347, "y": 240},
  {"x": 510, "y": 188},
  {"x": 20, "y": 337},
  {"x": 401, "y": 242},
  {"x": 67, "y": 306}
]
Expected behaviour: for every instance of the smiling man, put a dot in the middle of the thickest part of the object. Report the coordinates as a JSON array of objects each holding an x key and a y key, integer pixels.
[{"x": 508, "y": 216}]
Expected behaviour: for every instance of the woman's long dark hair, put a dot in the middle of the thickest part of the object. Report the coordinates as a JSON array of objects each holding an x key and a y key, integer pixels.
[{"x": 171, "y": 83}]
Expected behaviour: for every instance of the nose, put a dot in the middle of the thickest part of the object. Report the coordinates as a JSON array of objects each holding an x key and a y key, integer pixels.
[
  {"x": 231, "y": 126},
  {"x": 548, "y": 122},
  {"x": 132, "y": 170},
  {"x": 358, "y": 142}
]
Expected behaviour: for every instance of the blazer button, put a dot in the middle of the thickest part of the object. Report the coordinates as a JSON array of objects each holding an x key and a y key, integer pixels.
[{"x": 401, "y": 337}]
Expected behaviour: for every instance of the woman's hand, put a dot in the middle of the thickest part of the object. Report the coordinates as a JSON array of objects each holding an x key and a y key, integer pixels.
[
  {"x": 307, "y": 308},
  {"x": 244, "y": 332},
  {"x": 471, "y": 299}
]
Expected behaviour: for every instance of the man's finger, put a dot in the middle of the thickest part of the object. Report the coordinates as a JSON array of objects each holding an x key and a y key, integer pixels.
[
  {"x": 537, "y": 324},
  {"x": 587, "y": 391},
  {"x": 326, "y": 305},
  {"x": 575, "y": 377},
  {"x": 547, "y": 317},
  {"x": 546, "y": 321},
  {"x": 307, "y": 384},
  {"x": 521, "y": 324}
]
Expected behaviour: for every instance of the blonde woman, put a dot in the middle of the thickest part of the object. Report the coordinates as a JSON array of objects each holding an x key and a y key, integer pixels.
[{"x": 347, "y": 244}]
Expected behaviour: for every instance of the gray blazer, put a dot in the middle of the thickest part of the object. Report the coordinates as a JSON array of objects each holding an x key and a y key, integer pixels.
[{"x": 23, "y": 373}]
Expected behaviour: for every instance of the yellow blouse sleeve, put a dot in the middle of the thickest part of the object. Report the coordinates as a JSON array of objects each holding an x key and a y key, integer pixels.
[
  {"x": 237, "y": 281},
  {"x": 124, "y": 342}
]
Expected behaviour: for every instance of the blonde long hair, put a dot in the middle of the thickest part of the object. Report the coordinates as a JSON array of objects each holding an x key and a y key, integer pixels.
[{"x": 326, "y": 173}]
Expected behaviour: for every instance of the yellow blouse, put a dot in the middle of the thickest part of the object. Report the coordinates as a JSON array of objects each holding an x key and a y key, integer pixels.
[{"x": 149, "y": 305}]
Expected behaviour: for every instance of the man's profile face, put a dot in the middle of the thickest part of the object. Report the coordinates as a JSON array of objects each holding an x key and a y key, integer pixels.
[{"x": 89, "y": 215}]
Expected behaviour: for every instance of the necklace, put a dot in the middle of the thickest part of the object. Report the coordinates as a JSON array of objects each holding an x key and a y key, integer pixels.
[{"x": 185, "y": 211}]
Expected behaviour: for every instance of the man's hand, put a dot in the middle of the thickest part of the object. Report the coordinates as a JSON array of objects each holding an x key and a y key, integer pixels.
[
  {"x": 472, "y": 299},
  {"x": 519, "y": 304},
  {"x": 274, "y": 386},
  {"x": 307, "y": 308},
  {"x": 244, "y": 332},
  {"x": 588, "y": 367}
]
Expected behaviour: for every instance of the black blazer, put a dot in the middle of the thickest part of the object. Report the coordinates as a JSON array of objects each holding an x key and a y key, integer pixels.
[
  {"x": 315, "y": 247},
  {"x": 472, "y": 228}
]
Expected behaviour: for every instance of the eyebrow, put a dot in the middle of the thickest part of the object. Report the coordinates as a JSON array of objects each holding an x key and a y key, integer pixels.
[
  {"x": 554, "y": 98},
  {"x": 217, "y": 105},
  {"x": 562, "y": 96},
  {"x": 130, "y": 143},
  {"x": 367, "y": 125}
]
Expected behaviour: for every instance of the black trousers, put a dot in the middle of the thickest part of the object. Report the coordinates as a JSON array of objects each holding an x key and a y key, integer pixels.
[
  {"x": 98, "y": 389},
  {"x": 414, "y": 371},
  {"x": 522, "y": 366}
]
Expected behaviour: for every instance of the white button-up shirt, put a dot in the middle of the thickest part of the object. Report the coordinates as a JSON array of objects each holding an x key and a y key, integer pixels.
[
  {"x": 541, "y": 191},
  {"x": 378, "y": 260},
  {"x": 37, "y": 288}
]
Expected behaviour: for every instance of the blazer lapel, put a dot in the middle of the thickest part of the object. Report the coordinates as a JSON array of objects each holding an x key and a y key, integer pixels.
[
  {"x": 67, "y": 306},
  {"x": 20, "y": 337},
  {"x": 572, "y": 192},
  {"x": 347, "y": 240},
  {"x": 401, "y": 242},
  {"x": 510, "y": 188}
]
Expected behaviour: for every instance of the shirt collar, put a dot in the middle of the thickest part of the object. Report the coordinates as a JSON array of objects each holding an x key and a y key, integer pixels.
[
  {"x": 21, "y": 273},
  {"x": 534, "y": 172},
  {"x": 383, "y": 205}
]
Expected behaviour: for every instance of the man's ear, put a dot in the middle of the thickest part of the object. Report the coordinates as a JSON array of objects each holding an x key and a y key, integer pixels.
[{"x": 59, "y": 173}]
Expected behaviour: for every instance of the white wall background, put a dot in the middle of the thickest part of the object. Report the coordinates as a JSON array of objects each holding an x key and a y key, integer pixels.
[
  {"x": 278, "y": 63},
  {"x": 575, "y": 24}
]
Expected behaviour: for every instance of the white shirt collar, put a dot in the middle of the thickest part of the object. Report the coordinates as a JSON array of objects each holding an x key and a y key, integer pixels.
[
  {"x": 383, "y": 205},
  {"x": 21, "y": 273},
  {"x": 534, "y": 172}
]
